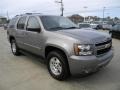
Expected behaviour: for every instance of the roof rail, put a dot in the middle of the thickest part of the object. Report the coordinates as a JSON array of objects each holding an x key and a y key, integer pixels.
[
  {"x": 27, "y": 14},
  {"x": 32, "y": 13}
]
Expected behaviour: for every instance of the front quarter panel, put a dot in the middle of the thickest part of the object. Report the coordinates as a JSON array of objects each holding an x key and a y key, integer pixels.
[{"x": 62, "y": 42}]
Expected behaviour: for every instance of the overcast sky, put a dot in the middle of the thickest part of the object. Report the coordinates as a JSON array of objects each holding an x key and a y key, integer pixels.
[{"x": 95, "y": 7}]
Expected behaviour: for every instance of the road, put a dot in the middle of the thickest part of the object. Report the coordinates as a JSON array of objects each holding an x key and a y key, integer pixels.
[{"x": 27, "y": 72}]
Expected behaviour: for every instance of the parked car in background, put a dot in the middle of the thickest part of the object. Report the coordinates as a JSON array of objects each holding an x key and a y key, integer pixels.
[
  {"x": 115, "y": 31},
  {"x": 89, "y": 26},
  {"x": 5, "y": 26},
  {"x": 84, "y": 25},
  {"x": 99, "y": 26},
  {"x": 96, "y": 26},
  {"x": 66, "y": 49},
  {"x": 106, "y": 26}
]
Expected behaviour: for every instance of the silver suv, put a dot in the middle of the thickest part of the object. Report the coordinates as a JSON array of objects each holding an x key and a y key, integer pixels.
[{"x": 67, "y": 49}]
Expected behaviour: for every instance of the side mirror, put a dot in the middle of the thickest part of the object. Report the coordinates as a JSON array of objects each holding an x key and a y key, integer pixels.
[{"x": 34, "y": 29}]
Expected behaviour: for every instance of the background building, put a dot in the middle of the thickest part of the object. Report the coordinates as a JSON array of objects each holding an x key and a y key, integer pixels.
[{"x": 3, "y": 20}]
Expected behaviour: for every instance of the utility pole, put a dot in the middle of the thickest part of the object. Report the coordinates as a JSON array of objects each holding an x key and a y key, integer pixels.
[
  {"x": 62, "y": 6},
  {"x": 85, "y": 7},
  {"x": 7, "y": 16},
  {"x": 103, "y": 13}
]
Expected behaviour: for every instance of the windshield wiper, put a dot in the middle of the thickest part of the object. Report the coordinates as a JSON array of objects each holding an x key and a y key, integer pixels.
[
  {"x": 56, "y": 28},
  {"x": 72, "y": 28},
  {"x": 61, "y": 28}
]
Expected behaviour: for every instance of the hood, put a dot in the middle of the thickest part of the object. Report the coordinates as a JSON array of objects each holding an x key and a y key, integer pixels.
[{"x": 83, "y": 35}]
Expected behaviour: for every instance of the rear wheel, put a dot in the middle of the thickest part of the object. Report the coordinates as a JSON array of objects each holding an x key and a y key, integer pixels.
[
  {"x": 14, "y": 48},
  {"x": 57, "y": 65}
]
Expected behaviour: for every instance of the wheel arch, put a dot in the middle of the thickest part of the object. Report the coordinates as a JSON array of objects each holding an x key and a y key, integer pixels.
[
  {"x": 50, "y": 48},
  {"x": 11, "y": 38}
]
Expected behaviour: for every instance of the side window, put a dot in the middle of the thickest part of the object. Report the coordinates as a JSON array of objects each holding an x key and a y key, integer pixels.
[
  {"x": 13, "y": 22},
  {"x": 33, "y": 24},
  {"x": 21, "y": 23}
]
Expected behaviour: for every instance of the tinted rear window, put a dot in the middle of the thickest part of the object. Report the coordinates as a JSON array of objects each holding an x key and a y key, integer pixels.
[{"x": 13, "y": 22}]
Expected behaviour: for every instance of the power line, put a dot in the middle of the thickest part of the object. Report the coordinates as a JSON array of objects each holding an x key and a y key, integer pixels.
[
  {"x": 73, "y": 12},
  {"x": 86, "y": 11}
]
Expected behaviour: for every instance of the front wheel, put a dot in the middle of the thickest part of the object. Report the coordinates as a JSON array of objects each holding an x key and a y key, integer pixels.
[{"x": 57, "y": 65}]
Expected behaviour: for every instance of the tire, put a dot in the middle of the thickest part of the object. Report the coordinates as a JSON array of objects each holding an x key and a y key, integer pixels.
[
  {"x": 14, "y": 48},
  {"x": 57, "y": 65}
]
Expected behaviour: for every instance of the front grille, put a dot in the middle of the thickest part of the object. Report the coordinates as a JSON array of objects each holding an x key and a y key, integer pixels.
[{"x": 103, "y": 47}]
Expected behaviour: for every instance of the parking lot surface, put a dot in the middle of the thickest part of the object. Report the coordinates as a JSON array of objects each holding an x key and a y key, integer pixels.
[{"x": 27, "y": 72}]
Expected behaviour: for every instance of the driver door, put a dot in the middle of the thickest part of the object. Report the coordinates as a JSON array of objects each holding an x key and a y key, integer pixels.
[{"x": 33, "y": 36}]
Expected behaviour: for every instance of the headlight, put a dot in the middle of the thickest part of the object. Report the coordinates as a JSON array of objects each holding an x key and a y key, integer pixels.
[{"x": 83, "y": 49}]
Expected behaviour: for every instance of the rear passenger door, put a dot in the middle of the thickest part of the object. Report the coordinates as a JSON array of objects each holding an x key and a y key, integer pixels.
[
  {"x": 20, "y": 33},
  {"x": 11, "y": 30}
]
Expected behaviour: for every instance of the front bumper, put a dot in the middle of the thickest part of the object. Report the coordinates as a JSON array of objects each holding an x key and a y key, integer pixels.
[{"x": 87, "y": 64}]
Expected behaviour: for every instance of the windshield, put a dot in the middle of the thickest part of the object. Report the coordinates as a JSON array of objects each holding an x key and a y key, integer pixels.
[{"x": 52, "y": 23}]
